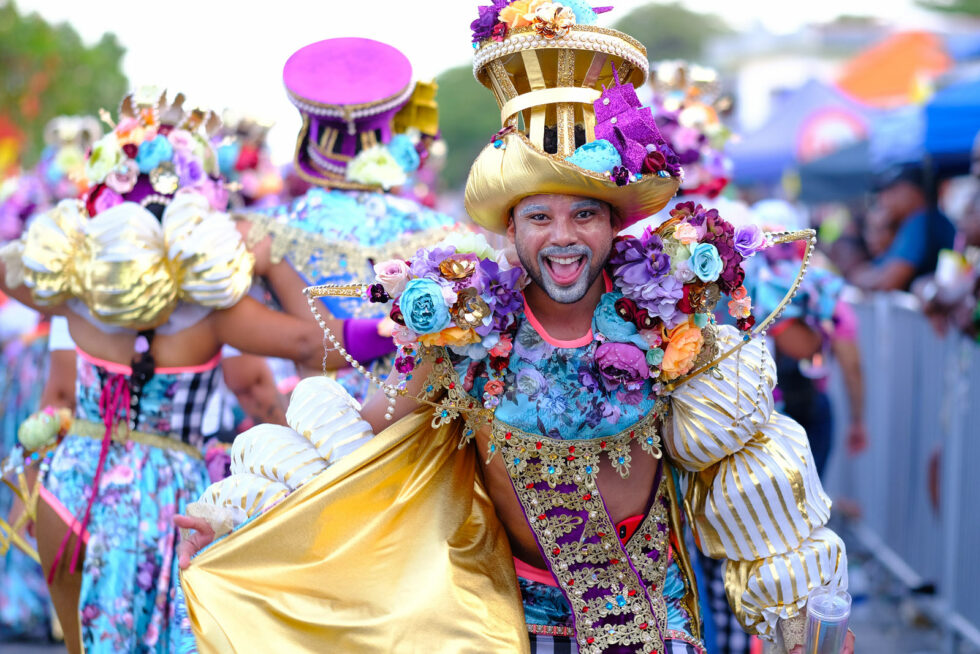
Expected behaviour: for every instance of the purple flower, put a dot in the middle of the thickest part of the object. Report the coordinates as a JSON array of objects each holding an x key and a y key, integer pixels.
[
  {"x": 483, "y": 26},
  {"x": 404, "y": 365},
  {"x": 218, "y": 463},
  {"x": 587, "y": 378},
  {"x": 426, "y": 262},
  {"x": 641, "y": 269},
  {"x": 188, "y": 168},
  {"x": 749, "y": 239},
  {"x": 620, "y": 175},
  {"x": 663, "y": 296},
  {"x": 621, "y": 364}
]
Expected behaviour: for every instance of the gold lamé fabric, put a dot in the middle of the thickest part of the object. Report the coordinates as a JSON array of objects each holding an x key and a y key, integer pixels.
[
  {"x": 501, "y": 176},
  {"x": 131, "y": 269},
  {"x": 752, "y": 489},
  {"x": 396, "y": 548}
]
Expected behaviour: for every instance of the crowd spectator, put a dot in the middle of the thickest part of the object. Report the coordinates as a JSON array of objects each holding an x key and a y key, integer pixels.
[{"x": 921, "y": 231}]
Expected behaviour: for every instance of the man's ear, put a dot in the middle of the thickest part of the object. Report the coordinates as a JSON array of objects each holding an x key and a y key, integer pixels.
[{"x": 511, "y": 229}]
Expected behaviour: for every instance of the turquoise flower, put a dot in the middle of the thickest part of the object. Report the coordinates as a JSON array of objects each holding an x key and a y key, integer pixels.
[
  {"x": 606, "y": 321},
  {"x": 153, "y": 153},
  {"x": 404, "y": 152},
  {"x": 706, "y": 262},
  {"x": 423, "y": 307},
  {"x": 599, "y": 156},
  {"x": 655, "y": 357}
]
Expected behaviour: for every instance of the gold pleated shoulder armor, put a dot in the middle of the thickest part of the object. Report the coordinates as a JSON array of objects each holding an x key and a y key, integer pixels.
[
  {"x": 752, "y": 487},
  {"x": 129, "y": 268}
]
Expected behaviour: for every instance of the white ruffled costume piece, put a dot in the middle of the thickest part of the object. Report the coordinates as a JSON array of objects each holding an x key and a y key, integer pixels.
[
  {"x": 268, "y": 462},
  {"x": 753, "y": 488}
]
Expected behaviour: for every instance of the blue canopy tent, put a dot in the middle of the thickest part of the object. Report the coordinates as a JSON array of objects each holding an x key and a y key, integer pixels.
[
  {"x": 812, "y": 122},
  {"x": 952, "y": 122}
]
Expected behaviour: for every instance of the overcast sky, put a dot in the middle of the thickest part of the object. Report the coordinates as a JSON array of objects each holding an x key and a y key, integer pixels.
[{"x": 230, "y": 54}]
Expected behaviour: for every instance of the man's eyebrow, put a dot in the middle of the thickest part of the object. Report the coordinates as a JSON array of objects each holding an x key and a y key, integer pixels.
[
  {"x": 586, "y": 204},
  {"x": 532, "y": 208}
]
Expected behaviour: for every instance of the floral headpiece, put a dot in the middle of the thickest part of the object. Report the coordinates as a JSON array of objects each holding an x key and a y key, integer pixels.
[
  {"x": 155, "y": 150},
  {"x": 688, "y": 105},
  {"x": 62, "y": 165},
  {"x": 571, "y": 120},
  {"x": 364, "y": 126},
  {"x": 244, "y": 160}
]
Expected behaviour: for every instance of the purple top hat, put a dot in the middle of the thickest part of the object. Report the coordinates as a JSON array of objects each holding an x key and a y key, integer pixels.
[{"x": 348, "y": 91}]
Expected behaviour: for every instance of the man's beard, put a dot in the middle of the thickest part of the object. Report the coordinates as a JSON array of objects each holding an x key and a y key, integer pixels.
[{"x": 542, "y": 275}]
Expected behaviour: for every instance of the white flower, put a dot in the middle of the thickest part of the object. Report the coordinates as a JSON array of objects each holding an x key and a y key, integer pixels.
[
  {"x": 469, "y": 243},
  {"x": 376, "y": 167}
]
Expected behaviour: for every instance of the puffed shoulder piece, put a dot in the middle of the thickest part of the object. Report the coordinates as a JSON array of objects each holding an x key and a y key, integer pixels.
[
  {"x": 716, "y": 413},
  {"x": 763, "y": 500}
]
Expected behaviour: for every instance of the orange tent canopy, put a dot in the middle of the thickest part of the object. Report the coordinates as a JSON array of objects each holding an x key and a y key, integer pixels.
[{"x": 893, "y": 72}]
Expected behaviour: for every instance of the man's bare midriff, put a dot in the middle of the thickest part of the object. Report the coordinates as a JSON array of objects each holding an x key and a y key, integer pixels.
[{"x": 624, "y": 497}]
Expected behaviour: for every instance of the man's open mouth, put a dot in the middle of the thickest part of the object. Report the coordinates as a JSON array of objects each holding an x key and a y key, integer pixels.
[{"x": 565, "y": 270}]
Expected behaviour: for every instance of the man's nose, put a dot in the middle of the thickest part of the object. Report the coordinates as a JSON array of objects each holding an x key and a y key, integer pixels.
[{"x": 564, "y": 233}]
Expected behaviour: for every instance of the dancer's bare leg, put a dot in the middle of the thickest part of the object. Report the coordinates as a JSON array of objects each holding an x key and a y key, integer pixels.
[{"x": 66, "y": 588}]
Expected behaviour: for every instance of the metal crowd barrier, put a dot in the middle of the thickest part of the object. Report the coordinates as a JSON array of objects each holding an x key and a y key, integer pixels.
[{"x": 922, "y": 407}]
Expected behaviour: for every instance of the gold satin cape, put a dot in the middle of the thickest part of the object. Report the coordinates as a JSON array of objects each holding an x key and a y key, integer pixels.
[{"x": 395, "y": 548}]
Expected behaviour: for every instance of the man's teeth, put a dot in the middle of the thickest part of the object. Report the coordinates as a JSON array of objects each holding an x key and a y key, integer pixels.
[{"x": 565, "y": 261}]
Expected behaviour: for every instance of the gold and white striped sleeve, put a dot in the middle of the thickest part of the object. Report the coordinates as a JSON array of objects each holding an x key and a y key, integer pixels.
[
  {"x": 270, "y": 461},
  {"x": 752, "y": 488}
]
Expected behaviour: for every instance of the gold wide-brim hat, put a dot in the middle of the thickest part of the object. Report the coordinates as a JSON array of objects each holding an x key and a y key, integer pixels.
[{"x": 544, "y": 83}]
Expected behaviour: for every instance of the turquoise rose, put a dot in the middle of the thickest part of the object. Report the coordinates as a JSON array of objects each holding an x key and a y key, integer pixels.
[
  {"x": 599, "y": 156},
  {"x": 153, "y": 153},
  {"x": 404, "y": 152},
  {"x": 706, "y": 262},
  {"x": 655, "y": 356},
  {"x": 606, "y": 321},
  {"x": 423, "y": 307}
]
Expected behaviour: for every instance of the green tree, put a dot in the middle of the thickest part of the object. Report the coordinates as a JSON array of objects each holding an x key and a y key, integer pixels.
[
  {"x": 468, "y": 118},
  {"x": 46, "y": 71},
  {"x": 963, "y": 7},
  {"x": 670, "y": 31}
]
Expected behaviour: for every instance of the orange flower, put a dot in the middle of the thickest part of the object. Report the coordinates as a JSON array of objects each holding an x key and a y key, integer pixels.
[
  {"x": 451, "y": 336},
  {"x": 515, "y": 14},
  {"x": 684, "y": 343}
]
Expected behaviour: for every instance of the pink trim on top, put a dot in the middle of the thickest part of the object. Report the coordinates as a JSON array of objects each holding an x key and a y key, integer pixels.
[
  {"x": 577, "y": 342},
  {"x": 64, "y": 514},
  {"x": 528, "y": 571},
  {"x": 123, "y": 369}
]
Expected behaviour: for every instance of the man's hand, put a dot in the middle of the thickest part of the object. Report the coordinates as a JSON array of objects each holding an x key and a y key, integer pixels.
[
  {"x": 857, "y": 438},
  {"x": 199, "y": 536},
  {"x": 848, "y": 647}
]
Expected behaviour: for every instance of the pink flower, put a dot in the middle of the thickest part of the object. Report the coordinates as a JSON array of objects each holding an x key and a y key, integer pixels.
[
  {"x": 503, "y": 346},
  {"x": 653, "y": 337},
  {"x": 123, "y": 178},
  {"x": 403, "y": 336},
  {"x": 392, "y": 275},
  {"x": 181, "y": 139},
  {"x": 213, "y": 190},
  {"x": 621, "y": 364},
  {"x": 740, "y": 308},
  {"x": 686, "y": 233}
]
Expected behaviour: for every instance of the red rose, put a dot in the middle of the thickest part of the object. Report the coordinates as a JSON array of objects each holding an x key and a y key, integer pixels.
[
  {"x": 626, "y": 309},
  {"x": 654, "y": 162},
  {"x": 396, "y": 314}
]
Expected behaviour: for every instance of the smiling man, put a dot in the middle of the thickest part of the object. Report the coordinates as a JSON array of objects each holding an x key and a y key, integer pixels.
[{"x": 585, "y": 422}]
